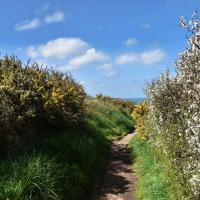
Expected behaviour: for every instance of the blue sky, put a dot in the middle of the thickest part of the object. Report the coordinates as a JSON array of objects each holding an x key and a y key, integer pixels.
[{"x": 109, "y": 46}]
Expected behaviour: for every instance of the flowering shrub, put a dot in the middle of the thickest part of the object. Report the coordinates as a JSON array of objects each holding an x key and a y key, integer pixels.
[
  {"x": 140, "y": 114},
  {"x": 175, "y": 112},
  {"x": 33, "y": 100}
]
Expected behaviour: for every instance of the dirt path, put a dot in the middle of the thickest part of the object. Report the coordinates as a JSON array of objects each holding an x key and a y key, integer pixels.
[{"x": 118, "y": 183}]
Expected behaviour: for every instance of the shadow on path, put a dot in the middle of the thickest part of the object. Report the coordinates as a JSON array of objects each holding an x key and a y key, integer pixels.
[{"x": 118, "y": 181}]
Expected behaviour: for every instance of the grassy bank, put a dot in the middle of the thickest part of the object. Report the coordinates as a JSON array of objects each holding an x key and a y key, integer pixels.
[
  {"x": 67, "y": 164},
  {"x": 154, "y": 182}
]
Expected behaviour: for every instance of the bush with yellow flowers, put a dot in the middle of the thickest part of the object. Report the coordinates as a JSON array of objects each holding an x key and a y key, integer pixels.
[
  {"x": 34, "y": 100},
  {"x": 140, "y": 114}
]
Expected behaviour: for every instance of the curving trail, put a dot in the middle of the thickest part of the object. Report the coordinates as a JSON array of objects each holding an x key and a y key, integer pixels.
[{"x": 119, "y": 178}]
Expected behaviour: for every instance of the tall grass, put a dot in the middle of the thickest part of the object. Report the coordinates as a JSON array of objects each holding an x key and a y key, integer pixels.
[
  {"x": 28, "y": 178},
  {"x": 153, "y": 182}
]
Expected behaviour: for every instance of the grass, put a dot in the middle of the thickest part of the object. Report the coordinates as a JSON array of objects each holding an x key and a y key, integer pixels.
[
  {"x": 152, "y": 182},
  {"x": 67, "y": 166},
  {"x": 108, "y": 119}
]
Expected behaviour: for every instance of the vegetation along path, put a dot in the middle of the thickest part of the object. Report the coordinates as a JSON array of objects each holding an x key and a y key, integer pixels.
[{"x": 118, "y": 182}]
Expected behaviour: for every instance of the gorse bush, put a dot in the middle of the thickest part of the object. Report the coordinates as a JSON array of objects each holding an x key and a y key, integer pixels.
[
  {"x": 34, "y": 100},
  {"x": 175, "y": 113},
  {"x": 140, "y": 114}
]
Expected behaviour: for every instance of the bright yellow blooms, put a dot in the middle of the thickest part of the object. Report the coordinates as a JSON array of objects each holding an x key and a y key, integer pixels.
[{"x": 140, "y": 115}]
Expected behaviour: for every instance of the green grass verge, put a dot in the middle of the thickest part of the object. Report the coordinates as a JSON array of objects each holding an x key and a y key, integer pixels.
[
  {"x": 152, "y": 182},
  {"x": 67, "y": 166}
]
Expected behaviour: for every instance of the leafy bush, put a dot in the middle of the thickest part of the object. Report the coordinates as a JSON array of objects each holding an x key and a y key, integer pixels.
[
  {"x": 175, "y": 113},
  {"x": 140, "y": 114},
  {"x": 34, "y": 100}
]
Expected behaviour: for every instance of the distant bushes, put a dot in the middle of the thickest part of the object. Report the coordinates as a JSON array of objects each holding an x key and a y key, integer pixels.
[
  {"x": 34, "y": 100},
  {"x": 126, "y": 105},
  {"x": 175, "y": 114}
]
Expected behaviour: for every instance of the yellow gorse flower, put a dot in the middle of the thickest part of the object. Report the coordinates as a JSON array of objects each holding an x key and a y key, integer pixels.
[{"x": 140, "y": 115}]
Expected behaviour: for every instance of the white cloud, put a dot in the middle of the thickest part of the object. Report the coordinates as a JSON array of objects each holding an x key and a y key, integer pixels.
[
  {"x": 126, "y": 58},
  {"x": 28, "y": 24},
  {"x": 148, "y": 57},
  {"x": 73, "y": 51},
  {"x": 146, "y": 26},
  {"x": 131, "y": 42},
  {"x": 58, "y": 48},
  {"x": 91, "y": 56},
  {"x": 55, "y": 17}
]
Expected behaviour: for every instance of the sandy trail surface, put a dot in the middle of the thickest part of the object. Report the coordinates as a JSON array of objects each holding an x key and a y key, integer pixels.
[{"x": 119, "y": 178}]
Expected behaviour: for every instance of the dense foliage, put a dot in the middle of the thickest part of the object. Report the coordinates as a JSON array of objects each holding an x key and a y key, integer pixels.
[
  {"x": 140, "y": 114},
  {"x": 34, "y": 100},
  {"x": 175, "y": 113}
]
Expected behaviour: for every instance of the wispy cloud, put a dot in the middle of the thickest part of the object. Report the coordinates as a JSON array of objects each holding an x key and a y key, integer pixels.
[
  {"x": 43, "y": 8},
  {"x": 28, "y": 24},
  {"x": 108, "y": 68},
  {"x": 147, "y": 57},
  {"x": 131, "y": 42},
  {"x": 56, "y": 17},
  {"x": 110, "y": 73},
  {"x": 58, "y": 48},
  {"x": 145, "y": 26},
  {"x": 35, "y": 23}
]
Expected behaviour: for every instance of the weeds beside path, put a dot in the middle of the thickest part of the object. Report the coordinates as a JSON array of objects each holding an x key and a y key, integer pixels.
[{"x": 119, "y": 179}]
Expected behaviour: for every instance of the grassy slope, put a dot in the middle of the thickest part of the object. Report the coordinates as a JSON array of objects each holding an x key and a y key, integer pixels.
[
  {"x": 152, "y": 182},
  {"x": 67, "y": 166}
]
